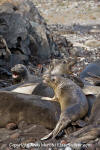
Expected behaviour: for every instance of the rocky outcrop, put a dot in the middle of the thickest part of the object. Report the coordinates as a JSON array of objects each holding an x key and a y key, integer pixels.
[{"x": 24, "y": 29}]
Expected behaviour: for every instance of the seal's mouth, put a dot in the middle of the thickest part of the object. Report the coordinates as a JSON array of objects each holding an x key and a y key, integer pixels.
[{"x": 15, "y": 75}]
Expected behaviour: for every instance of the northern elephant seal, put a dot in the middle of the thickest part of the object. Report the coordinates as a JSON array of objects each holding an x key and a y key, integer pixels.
[
  {"x": 64, "y": 68},
  {"x": 32, "y": 109},
  {"x": 20, "y": 73},
  {"x": 26, "y": 83},
  {"x": 72, "y": 100},
  {"x": 92, "y": 68}
]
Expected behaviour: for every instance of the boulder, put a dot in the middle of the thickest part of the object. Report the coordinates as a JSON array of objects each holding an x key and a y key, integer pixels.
[{"x": 24, "y": 29}]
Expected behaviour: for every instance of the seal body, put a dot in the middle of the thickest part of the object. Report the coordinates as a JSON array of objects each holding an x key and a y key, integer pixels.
[
  {"x": 92, "y": 130},
  {"x": 26, "y": 83},
  {"x": 15, "y": 107},
  {"x": 92, "y": 68},
  {"x": 72, "y": 100},
  {"x": 21, "y": 74},
  {"x": 33, "y": 88}
]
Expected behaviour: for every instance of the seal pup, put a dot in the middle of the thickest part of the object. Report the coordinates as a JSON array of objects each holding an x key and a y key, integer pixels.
[
  {"x": 21, "y": 74},
  {"x": 26, "y": 83},
  {"x": 73, "y": 102}
]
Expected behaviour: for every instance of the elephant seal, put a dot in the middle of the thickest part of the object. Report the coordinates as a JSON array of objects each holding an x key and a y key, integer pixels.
[
  {"x": 21, "y": 74},
  {"x": 15, "y": 107},
  {"x": 92, "y": 130},
  {"x": 92, "y": 68},
  {"x": 64, "y": 68},
  {"x": 73, "y": 102},
  {"x": 37, "y": 88},
  {"x": 26, "y": 83}
]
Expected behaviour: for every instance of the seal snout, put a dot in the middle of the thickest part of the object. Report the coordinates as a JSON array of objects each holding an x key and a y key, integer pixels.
[
  {"x": 15, "y": 75},
  {"x": 46, "y": 78}
]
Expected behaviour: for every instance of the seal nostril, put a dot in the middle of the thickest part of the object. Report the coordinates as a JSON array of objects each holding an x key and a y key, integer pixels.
[{"x": 15, "y": 8}]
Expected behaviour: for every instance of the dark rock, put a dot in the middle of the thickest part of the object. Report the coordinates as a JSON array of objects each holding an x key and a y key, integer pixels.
[
  {"x": 18, "y": 59},
  {"x": 24, "y": 29},
  {"x": 5, "y": 72}
]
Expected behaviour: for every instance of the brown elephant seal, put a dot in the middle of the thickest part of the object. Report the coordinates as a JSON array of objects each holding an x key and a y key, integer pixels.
[
  {"x": 92, "y": 130},
  {"x": 64, "y": 68},
  {"x": 4, "y": 50},
  {"x": 15, "y": 107},
  {"x": 73, "y": 102}
]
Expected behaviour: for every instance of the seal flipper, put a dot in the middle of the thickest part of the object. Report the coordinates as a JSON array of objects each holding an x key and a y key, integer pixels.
[
  {"x": 47, "y": 136},
  {"x": 62, "y": 124}
]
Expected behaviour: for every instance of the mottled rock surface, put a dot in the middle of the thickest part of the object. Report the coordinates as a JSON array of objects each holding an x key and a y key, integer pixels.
[{"x": 24, "y": 29}]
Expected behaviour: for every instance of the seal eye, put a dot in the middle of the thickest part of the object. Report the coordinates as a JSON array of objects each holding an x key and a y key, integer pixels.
[{"x": 53, "y": 79}]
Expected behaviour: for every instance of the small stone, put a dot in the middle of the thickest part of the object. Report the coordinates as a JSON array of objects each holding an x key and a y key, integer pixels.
[{"x": 11, "y": 126}]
